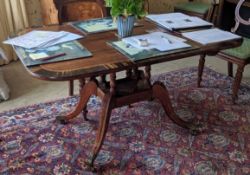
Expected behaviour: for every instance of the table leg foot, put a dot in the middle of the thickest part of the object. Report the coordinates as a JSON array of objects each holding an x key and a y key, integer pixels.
[
  {"x": 90, "y": 167},
  {"x": 89, "y": 89},
  {"x": 84, "y": 113},
  {"x": 161, "y": 93},
  {"x": 196, "y": 128},
  {"x": 106, "y": 109},
  {"x": 61, "y": 119}
]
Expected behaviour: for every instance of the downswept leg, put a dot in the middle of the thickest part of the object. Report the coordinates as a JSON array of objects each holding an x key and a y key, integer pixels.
[
  {"x": 89, "y": 89},
  {"x": 107, "y": 106},
  {"x": 160, "y": 92}
]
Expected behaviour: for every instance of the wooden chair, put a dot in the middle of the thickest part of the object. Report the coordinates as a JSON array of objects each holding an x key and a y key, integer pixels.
[
  {"x": 200, "y": 9},
  {"x": 239, "y": 55},
  {"x": 75, "y": 10}
]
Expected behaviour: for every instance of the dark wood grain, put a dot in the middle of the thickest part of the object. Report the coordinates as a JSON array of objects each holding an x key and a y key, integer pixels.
[{"x": 107, "y": 60}]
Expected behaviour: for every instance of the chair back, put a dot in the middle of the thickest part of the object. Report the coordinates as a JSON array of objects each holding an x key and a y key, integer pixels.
[
  {"x": 238, "y": 19},
  {"x": 213, "y": 11},
  {"x": 75, "y": 10}
]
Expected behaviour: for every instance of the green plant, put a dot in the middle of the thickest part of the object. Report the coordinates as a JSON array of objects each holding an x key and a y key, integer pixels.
[
  {"x": 108, "y": 3},
  {"x": 127, "y": 7}
]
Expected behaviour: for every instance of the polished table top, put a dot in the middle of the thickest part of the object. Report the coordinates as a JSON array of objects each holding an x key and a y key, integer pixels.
[{"x": 107, "y": 60}]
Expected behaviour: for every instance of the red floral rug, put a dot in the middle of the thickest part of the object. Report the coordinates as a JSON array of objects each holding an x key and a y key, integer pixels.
[{"x": 141, "y": 139}]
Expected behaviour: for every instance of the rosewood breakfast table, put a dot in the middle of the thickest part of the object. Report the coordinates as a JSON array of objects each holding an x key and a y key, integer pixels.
[{"x": 106, "y": 61}]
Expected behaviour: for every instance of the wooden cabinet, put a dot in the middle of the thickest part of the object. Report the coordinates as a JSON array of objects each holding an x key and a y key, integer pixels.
[
  {"x": 86, "y": 8},
  {"x": 49, "y": 12},
  {"x": 74, "y": 10}
]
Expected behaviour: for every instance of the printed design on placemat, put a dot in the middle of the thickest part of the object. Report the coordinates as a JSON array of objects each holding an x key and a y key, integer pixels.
[
  {"x": 61, "y": 52},
  {"x": 135, "y": 54},
  {"x": 95, "y": 25}
]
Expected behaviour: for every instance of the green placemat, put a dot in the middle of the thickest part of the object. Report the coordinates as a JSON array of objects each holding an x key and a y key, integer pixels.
[
  {"x": 71, "y": 50},
  {"x": 97, "y": 25},
  {"x": 135, "y": 54}
]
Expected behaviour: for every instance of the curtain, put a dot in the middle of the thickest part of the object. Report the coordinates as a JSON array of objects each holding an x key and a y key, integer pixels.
[{"x": 13, "y": 18}]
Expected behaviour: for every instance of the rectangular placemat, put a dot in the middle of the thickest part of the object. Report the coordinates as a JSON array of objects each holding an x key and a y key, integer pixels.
[
  {"x": 135, "y": 54},
  {"x": 97, "y": 25},
  {"x": 69, "y": 51}
]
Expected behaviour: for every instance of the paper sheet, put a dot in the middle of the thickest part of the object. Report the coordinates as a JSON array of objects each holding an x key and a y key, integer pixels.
[
  {"x": 156, "y": 17},
  {"x": 210, "y": 36},
  {"x": 68, "y": 37},
  {"x": 157, "y": 40},
  {"x": 40, "y": 39},
  {"x": 175, "y": 21}
]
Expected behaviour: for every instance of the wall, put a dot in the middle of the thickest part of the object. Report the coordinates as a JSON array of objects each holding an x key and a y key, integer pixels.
[
  {"x": 34, "y": 12},
  {"x": 49, "y": 12},
  {"x": 162, "y": 5},
  {"x": 167, "y": 5},
  {"x": 36, "y": 19}
]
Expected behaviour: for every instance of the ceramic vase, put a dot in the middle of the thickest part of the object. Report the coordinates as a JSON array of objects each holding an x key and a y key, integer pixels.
[{"x": 125, "y": 26}]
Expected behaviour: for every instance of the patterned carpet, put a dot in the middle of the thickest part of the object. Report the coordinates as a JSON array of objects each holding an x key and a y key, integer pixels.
[{"x": 141, "y": 139}]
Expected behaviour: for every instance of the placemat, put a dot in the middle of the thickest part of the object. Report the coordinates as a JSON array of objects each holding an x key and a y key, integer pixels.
[
  {"x": 135, "y": 54},
  {"x": 97, "y": 25},
  {"x": 69, "y": 51}
]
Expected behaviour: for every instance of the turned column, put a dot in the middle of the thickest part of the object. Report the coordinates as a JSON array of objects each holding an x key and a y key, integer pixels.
[
  {"x": 112, "y": 83},
  {"x": 81, "y": 85}
]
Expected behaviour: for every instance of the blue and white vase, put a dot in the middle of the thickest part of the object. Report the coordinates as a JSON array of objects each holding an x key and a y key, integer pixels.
[{"x": 125, "y": 26}]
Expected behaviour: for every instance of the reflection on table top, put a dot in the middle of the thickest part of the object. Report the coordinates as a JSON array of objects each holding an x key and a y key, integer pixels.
[{"x": 106, "y": 59}]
